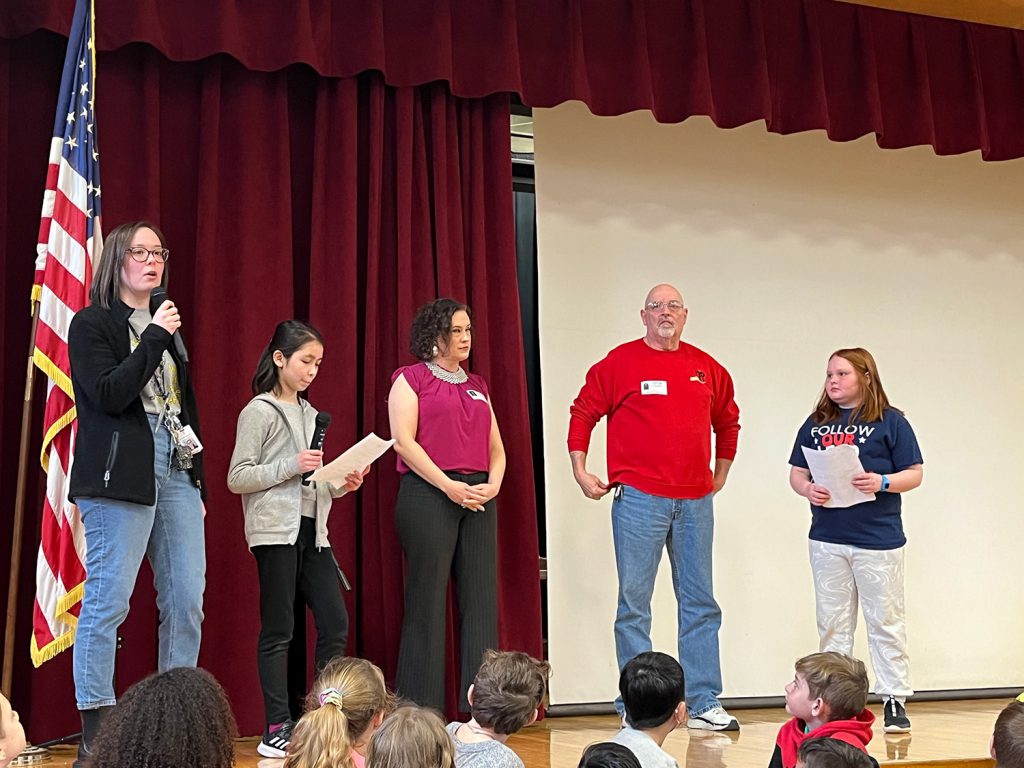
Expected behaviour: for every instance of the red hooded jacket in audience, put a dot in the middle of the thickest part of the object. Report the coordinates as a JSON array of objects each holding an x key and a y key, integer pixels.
[{"x": 856, "y": 732}]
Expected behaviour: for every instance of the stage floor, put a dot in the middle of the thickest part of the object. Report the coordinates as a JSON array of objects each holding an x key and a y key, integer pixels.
[{"x": 946, "y": 733}]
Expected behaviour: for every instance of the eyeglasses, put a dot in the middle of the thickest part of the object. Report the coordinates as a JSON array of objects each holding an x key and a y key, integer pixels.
[
  {"x": 141, "y": 255},
  {"x": 673, "y": 306}
]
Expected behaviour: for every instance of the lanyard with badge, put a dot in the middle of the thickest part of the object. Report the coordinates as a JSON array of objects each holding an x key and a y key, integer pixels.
[{"x": 186, "y": 442}]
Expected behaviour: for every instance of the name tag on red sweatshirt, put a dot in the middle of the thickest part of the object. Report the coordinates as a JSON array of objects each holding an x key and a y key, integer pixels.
[{"x": 653, "y": 387}]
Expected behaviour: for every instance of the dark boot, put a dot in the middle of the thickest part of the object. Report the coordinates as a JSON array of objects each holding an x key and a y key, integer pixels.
[{"x": 92, "y": 719}]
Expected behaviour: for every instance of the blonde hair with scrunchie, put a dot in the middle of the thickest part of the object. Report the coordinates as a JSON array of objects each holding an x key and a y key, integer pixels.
[
  {"x": 332, "y": 696},
  {"x": 340, "y": 709}
]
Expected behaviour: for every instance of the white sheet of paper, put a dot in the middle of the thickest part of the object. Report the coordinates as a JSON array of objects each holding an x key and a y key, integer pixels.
[
  {"x": 360, "y": 455},
  {"x": 834, "y": 468}
]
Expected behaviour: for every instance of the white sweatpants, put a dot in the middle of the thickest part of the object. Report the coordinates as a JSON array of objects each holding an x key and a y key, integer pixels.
[{"x": 842, "y": 575}]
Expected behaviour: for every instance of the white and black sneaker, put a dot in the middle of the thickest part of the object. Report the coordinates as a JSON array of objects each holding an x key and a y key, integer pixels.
[
  {"x": 716, "y": 719},
  {"x": 276, "y": 744},
  {"x": 896, "y": 720}
]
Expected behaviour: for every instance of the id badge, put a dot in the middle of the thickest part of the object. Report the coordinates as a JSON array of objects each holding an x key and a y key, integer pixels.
[
  {"x": 186, "y": 438},
  {"x": 653, "y": 387}
]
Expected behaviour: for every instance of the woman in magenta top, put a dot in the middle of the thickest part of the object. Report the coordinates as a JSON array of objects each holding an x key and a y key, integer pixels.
[{"x": 452, "y": 463}]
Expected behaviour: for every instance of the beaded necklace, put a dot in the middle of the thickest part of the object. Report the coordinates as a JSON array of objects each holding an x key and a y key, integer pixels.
[{"x": 452, "y": 377}]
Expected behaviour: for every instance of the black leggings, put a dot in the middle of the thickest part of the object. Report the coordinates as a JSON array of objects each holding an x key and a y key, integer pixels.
[
  {"x": 441, "y": 538},
  {"x": 283, "y": 569}
]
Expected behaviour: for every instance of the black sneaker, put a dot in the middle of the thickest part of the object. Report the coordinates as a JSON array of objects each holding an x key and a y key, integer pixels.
[
  {"x": 276, "y": 744},
  {"x": 896, "y": 720}
]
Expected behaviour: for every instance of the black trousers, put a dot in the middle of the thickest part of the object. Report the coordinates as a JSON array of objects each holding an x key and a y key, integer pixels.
[
  {"x": 287, "y": 570},
  {"x": 440, "y": 539}
]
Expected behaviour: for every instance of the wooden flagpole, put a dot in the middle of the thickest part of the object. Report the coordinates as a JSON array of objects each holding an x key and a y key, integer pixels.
[{"x": 19, "y": 509}]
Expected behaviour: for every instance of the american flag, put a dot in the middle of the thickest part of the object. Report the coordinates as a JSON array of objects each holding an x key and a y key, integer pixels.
[{"x": 70, "y": 241}]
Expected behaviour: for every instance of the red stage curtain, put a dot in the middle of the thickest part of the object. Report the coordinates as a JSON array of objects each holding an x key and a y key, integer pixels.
[
  {"x": 281, "y": 194},
  {"x": 796, "y": 64}
]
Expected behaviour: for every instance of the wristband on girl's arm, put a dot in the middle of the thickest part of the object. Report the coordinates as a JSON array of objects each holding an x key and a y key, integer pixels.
[{"x": 885, "y": 483}]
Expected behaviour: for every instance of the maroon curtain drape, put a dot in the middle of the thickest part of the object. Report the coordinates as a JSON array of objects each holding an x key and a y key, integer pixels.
[
  {"x": 281, "y": 194},
  {"x": 796, "y": 64}
]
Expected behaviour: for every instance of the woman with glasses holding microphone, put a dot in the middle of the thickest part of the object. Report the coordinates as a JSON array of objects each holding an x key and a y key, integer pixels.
[
  {"x": 452, "y": 462},
  {"x": 137, "y": 475}
]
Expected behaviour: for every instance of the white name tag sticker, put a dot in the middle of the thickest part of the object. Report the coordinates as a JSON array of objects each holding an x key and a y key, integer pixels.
[
  {"x": 653, "y": 387},
  {"x": 476, "y": 395}
]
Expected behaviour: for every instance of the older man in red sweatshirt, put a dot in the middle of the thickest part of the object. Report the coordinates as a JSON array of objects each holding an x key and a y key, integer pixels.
[{"x": 663, "y": 399}]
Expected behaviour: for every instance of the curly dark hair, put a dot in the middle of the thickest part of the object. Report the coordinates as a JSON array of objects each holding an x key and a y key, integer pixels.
[
  {"x": 432, "y": 322},
  {"x": 176, "y": 719}
]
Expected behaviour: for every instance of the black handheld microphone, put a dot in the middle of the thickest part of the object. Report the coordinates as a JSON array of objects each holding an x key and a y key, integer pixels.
[
  {"x": 342, "y": 578},
  {"x": 157, "y": 297},
  {"x": 323, "y": 421}
]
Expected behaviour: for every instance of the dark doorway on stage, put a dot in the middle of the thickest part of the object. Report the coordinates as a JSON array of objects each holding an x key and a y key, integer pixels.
[{"x": 525, "y": 201}]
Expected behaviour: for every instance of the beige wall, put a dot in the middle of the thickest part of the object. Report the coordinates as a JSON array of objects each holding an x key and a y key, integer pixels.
[{"x": 785, "y": 248}]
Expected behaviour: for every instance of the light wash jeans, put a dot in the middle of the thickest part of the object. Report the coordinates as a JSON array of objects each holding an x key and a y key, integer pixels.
[
  {"x": 845, "y": 575},
  {"x": 117, "y": 535},
  {"x": 642, "y": 526}
]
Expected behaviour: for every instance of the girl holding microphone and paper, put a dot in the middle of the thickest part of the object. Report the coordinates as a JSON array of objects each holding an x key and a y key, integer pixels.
[
  {"x": 857, "y": 551},
  {"x": 285, "y": 519}
]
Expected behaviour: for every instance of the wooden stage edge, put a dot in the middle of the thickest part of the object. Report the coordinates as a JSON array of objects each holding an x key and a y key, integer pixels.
[{"x": 946, "y": 734}]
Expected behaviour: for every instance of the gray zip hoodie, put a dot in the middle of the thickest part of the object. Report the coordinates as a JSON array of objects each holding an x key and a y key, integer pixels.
[{"x": 265, "y": 471}]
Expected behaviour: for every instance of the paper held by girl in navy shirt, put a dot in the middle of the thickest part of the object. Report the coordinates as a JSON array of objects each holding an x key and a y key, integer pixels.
[
  {"x": 355, "y": 459},
  {"x": 834, "y": 468}
]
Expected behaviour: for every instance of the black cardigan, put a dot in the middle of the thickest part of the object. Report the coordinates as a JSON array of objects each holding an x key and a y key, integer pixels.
[{"x": 114, "y": 435}]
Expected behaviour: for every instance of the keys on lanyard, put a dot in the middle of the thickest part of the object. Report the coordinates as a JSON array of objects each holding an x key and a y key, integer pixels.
[{"x": 186, "y": 443}]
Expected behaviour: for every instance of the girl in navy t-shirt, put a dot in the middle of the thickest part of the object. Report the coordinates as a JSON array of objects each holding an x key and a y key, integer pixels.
[{"x": 857, "y": 551}]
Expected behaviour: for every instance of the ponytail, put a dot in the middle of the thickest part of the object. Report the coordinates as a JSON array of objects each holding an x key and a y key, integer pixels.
[
  {"x": 347, "y": 697},
  {"x": 321, "y": 738}
]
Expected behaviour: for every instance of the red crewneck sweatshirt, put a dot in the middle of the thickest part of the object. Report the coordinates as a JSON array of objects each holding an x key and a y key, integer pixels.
[{"x": 662, "y": 408}]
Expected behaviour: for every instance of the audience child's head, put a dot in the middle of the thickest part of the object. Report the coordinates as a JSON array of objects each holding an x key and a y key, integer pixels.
[
  {"x": 653, "y": 691},
  {"x": 1008, "y": 736},
  {"x": 831, "y": 753},
  {"x": 827, "y": 686},
  {"x": 412, "y": 737},
  {"x": 12, "y": 734},
  {"x": 348, "y": 702},
  {"x": 608, "y": 754},
  {"x": 508, "y": 690},
  {"x": 176, "y": 719}
]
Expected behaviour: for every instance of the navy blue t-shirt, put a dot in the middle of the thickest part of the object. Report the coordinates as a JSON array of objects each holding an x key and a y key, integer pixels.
[{"x": 886, "y": 446}]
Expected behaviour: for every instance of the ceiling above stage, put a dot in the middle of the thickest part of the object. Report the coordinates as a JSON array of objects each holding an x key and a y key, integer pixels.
[{"x": 999, "y": 13}]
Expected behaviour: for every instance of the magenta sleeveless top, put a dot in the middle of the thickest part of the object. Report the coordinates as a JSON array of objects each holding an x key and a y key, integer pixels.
[{"x": 454, "y": 425}]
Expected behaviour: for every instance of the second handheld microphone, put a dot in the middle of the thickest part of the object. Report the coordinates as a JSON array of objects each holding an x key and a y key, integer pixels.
[
  {"x": 323, "y": 420},
  {"x": 157, "y": 297}
]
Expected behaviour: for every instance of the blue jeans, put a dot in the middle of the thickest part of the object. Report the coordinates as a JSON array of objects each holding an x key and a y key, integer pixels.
[
  {"x": 642, "y": 526},
  {"x": 117, "y": 536}
]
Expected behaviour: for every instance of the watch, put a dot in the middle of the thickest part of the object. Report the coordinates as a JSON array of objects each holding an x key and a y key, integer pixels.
[{"x": 885, "y": 483}]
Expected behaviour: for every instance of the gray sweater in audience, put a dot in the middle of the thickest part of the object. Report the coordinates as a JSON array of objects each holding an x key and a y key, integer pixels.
[
  {"x": 645, "y": 749},
  {"x": 482, "y": 754}
]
